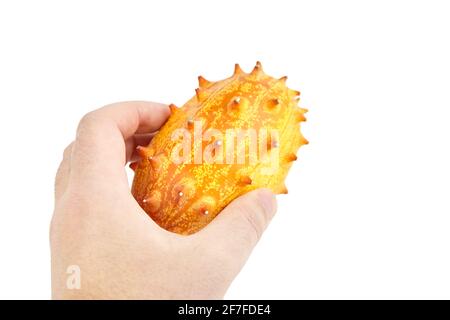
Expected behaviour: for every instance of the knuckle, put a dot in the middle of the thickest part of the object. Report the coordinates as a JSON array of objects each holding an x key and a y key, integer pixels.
[
  {"x": 88, "y": 119},
  {"x": 90, "y": 122},
  {"x": 86, "y": 124},
  {"x": 91, "y": 127}
]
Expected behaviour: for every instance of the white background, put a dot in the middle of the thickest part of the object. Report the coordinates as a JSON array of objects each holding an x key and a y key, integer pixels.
[{"x": 367, "y": 215}]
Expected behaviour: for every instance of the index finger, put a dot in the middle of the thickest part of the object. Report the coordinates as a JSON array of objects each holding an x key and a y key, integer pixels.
[{"x": 100, "y": 144}]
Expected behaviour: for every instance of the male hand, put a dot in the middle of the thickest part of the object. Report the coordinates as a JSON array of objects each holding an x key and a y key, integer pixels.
[{"x": 120, "y": 251}]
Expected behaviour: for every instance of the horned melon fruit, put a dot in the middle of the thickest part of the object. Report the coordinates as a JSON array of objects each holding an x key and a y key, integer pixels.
[{"x": 233, "y": 136}]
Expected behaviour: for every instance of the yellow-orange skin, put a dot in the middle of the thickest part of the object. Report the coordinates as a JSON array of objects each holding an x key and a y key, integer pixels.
[{"x": 183, "y": 198}]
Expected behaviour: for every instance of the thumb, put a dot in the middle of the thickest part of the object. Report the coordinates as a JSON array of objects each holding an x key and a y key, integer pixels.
[{"x": 236, "y": 230}]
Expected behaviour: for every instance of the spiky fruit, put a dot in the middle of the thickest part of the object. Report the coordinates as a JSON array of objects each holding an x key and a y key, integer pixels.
[{"x": 184, "y": 195}]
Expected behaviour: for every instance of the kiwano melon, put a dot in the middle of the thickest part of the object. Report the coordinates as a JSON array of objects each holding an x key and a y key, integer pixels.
[{"x": 233, "y": 136}]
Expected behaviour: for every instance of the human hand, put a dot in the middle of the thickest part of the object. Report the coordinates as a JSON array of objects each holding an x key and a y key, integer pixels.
[{"x": 121, "y": 252}]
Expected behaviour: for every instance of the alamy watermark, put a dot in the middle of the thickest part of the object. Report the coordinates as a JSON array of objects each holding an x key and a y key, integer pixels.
[
  {"x": 73, "y": 281},
  {"x": 232, "y": 146}
]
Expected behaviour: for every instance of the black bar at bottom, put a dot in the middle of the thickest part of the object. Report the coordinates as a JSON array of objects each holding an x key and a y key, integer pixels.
[{"x": 228, "y": 309}]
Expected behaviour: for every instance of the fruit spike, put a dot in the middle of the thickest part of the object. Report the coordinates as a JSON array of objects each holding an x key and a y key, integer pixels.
[
  {"x": 185, "y": 197},
  {"x": 300, "y": 116},
  {"x": 237, "y": 69},
  {"x": 295, "y": 93},
  {"x": 303, "y": 141},
  {"x": 153, "y": 202},
  {"x": 200, "y": 93},
  {"x": 272, "y": 143},
  {"x": 173, "y": 108},
  {"x": 291, "y": 157},
  {"x": 273, "y": 103},
  {"x": 190, "y": 123},
  {"x": 245, "y": 180},
  {"x": 236, "y": 103},
  {"x": 284, "y": 190},
  {"x": 257, "y": 69},
  {"x": 134, "y": 165},
  {"x": 203, "y": 83},
  {"x": 141, "y": 151}
]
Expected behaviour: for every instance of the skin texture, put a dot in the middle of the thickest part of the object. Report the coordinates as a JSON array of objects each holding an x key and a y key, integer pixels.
[{"x": 122, "y": 253}]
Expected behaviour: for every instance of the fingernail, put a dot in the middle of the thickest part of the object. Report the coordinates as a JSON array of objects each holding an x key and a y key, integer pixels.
[{"x": 267, "y": 200}]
